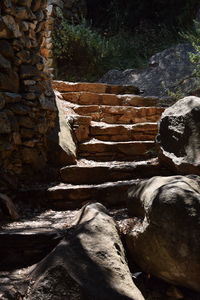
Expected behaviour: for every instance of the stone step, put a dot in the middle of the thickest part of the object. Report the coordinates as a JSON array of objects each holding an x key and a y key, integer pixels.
[
  {"x": 136, "y": 132},
  {"x": 68, "y": 196},
  {"x": 92, "y": 172},
  {"x": 28, "y": 240},
  {"x": 120, "y": 114},
  {"x": 25, "y": 246},
  {"x": 88, "y": 98},
  {"x": 106, "y": 151},
  {"x": 64, "y": 86}
]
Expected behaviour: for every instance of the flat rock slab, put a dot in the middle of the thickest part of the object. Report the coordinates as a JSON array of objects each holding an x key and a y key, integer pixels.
[
  {"x": 101, "y": 150},
  {"x": 122, "y": 132},
  {"x": 64, "y": 86},
  {"x": 28, "y": 240},
  {"x": 119, "y": 114},
  {"x": 89, "y": 98},
  {"x": 68, "y": 196},
  {"x": 92, "y": 172}
]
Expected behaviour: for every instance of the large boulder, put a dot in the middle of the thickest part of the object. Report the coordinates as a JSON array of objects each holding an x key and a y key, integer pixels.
[
  {"x": 168, "y": 71},
  {"x": 166, "y": 240},
  {"x": 91, "y": 258},
  {"x": 179, "y": 136}
]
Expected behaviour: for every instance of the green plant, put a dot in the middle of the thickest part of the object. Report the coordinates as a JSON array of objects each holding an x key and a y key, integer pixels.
[
  {"x": 82, "y": 53},
  {"x": 78, "y": 49},
  {"x": 193, "y": 36}
]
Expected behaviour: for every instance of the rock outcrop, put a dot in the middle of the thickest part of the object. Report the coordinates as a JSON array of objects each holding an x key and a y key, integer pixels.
[
  {"x": 166, "y": 243},
  {"x": 90, "y": 258},
  {"x": 168, "y": 71},
  {"x": 179, "y": 136}
]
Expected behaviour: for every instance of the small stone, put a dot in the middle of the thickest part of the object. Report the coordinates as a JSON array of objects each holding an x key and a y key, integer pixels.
[
  {"x": 7, "y": 3},
  {"x": 28, "y": 71},
  {"x": 2, "y": 101},
  {"x": 24, "y": 26},
  {"x": 24, "y": 13},
  {"x": 4, "y": 123},
  {"x": 24, "y": 55},
  {"x": 4, "y": 63},
  {"x": 29, "y": 82},
  {"x": 26, "y": 122},
  {"x": 40, "y": 66},
  {"x": 39, "y": 15},
  {"x": 36, "y": 4},
  {"x": 6, "y": 49},
  {"x": 26, "y": 3},
  {"x": 17, "y": 138},
  {"x": 20, "y": 109},
  {"x": 30, "y": 143},
  {"x": 12, "y": 97},
  {"x": 17, "y": 45},
  {"x": 12, "y": 25},
  {"x": 9, "y": 82},
  {"x": 27, "y": 133},
  {"x": 30, "y": 96},
  {"x": 60, "y": 3},
  {"x": 47, "y": 103}
]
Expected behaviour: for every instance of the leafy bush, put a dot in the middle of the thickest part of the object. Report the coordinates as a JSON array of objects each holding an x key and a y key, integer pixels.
[
  {"x": 81, "y": 53},
  {"x": 78, "y": 49},
  {"x": 193, "y": 37}
]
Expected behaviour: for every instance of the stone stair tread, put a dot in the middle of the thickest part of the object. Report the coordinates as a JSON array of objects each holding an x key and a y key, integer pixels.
[
  {"x": 63, "y": 196},
  {"x": 93, "y": 172},
  {"x": 95, "y": 141},
  {"x": 29, "y": 239},
  {"x": 123, "y": 132},
  {"x": 137, "y": 125},
  {"x": 120, "y": 114},
  {"x": 125, "y": 150},
  {"x": 64, "y": 86},
  {"x": 89, "y": 98}
]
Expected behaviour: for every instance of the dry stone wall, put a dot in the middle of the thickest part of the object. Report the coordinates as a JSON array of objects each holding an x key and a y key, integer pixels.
[{"x": 27, "y": 106}]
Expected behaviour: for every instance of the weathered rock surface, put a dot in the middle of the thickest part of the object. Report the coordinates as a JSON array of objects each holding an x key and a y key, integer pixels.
[
  {"x": 169, "y": 70},
  {"x": 88, "y": 171},
  {"x": 68, "y": 196},
  {"x": 166, "y": 243},
  {"x": 179, "y": 136},
  {"x": 63, "y": 86},
  {"x": 104, "y": 151},
  {"x": 92, "y": 256},
  {"x": 89, "y": 98}
]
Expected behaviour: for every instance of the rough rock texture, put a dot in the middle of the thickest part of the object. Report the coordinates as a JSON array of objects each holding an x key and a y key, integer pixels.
[
  {"x": 166, "y": 243},
  {"x": 27, "y": 108},
  {"x": 169, "y": 70},
  {"x": 92, "y": 256},
  {"x": 179, "y": 136}
]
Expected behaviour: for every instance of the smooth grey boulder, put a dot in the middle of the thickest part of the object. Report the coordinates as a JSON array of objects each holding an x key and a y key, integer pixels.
[
  {"x": 166, "y": 240},
  {"x": 91, "y": 258},
  {"x": 179, "y": 136},
  {"x": 168, "y": 71}
]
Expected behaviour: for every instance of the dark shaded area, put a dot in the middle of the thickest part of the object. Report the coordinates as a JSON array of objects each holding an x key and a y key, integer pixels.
[{"x": 131, "y": 13}]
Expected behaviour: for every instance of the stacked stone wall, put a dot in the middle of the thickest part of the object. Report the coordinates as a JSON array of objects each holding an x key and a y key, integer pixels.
[{"x": 27, "y": 104}]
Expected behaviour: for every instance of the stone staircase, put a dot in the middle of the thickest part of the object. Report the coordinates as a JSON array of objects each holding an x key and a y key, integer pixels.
[{"x": 114, "y": 128}]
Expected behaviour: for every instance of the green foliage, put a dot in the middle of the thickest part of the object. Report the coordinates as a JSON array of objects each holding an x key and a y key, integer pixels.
[
  {"x": 194, "y": 38},
  {"x": 78, "y": 49},
  {"x": 82, "y": 53}
]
